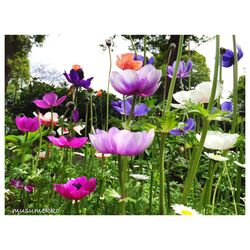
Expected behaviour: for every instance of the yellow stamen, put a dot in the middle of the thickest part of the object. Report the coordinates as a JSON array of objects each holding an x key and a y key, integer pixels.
[{"x": 186, "y": 212}]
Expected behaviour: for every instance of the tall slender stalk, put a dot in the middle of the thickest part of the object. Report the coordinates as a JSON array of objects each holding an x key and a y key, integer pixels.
[
  {"x": 145, "y": 49},
  {"x": 91, "y": 113},
  {"x": 107, "y": 103},
  {"x": 133, "y": 46},
  {"x": 86, "y": 119},
  {"x": 196, "y": 156},
  {"x": 235, "y": 86}
]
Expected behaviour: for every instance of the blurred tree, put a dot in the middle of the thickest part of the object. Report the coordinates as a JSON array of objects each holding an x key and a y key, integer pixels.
[{"x": 17, "y": 49}]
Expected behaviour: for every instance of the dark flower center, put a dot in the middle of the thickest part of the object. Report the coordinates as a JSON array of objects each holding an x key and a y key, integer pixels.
[
  {"x": 80, "y": 73},
  {"x": 77, "y": 185}
]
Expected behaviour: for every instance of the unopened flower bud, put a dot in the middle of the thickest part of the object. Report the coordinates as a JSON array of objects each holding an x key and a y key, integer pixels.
[
  {"x": 53, "y": 133},
  {"x": 90, "y": 90},
  {"x": 222, "y": 50},
  {"x": 70, "y": 105},
  {"x": 108, "y": 42},
  {"x": 172, "y": 46}
]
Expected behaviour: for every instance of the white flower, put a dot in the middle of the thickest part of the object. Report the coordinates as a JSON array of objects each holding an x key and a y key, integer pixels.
[
  {"x": 219, "y": 141},
  {"x": 99, "y": 155},
  {"x": 77, "y": 128},
  {"x": 139, "y": 177},
  {"x": 240, "y": 164},
  {"x": 201, "y": 94},
  {"x": 184, "y": 210},
  {"x": 216, "y": 157}
]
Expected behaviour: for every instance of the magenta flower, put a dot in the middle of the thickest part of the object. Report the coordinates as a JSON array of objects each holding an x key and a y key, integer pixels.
[
  {"x": 18, "y": 183},
  {"x": 26, "y": 124},
  {"x": 143, "y": 82},
  {"x": 122, "y": 142},
  {"x": 74, "y": 142},
  {"x": 49, "y": 100},
  {"x": 76, "y": 189}
]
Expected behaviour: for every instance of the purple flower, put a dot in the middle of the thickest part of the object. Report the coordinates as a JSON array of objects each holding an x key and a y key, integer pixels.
[
  {"x": 121, "y": 142},
  {"x": 49, "y": 100},
  {"x": 228, "y": 57},
  {"x": 26, "y": 124},
  {"x": 183, "y": 70},
  {"x": 74, "y": 142},
  {"x": 17, "y": 183},
  {"x": 75, "y": 115},
  {"x": 76, "y": 76},
  {"x": 76, "y": 189},
  {"x": 141, "y": 58},
  {"x": 183, "y": 127},
  {"x": 227, "y": 106},
  {"x": 143, "y": 82},
  {"x": 140, "y": 109}
]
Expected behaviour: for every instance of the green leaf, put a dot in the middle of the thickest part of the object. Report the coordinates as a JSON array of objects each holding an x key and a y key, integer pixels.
[{"x": 167, "y": 122}]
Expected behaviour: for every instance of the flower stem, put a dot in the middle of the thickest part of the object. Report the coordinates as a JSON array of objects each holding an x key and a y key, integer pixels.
[
  {"x": 161, "y": 170},
  {"x": 123, "y": 165},
  {"x": 133, "y": 46},
  {"x": 235, "y": 86},
  {"x": 107, "y": 104},
  {"x": 91, "y": 113},
  {"x": 86, "y": 119},
  {"x": 131, "y": 112},
  {"x": 172, "y": 84},
  {"x": 196, "y": 157},
  {"x": 145, "y": 49}
]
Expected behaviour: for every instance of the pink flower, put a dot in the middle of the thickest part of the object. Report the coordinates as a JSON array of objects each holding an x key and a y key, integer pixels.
[
  {"x": 26, "y": 124},
  {"x": 74, "y": 142},
  {"x": 49, "y": 100},
  {"x": 76, "y": 189}
]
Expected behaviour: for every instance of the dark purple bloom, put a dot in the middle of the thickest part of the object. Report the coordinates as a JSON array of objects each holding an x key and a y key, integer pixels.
[
  {"x": 227, "y": 106},
  {"x": 26, "y": 124},
  {"x": 140, "y": 109},
  {"x": 28, "y": 188},
  {"x": 183, "y": 70},
  {"x": 76, "y": 77},
  {"x": 228, "y": 57},
  {"x": 49, "y": 100},
  {"x": 183, "y": 127},
  {"x": 141, "y": 58},
  {"x": 17, "y": 183},
  {"x": 76, "y": 189},
  {"x": 75, "y": 115}
]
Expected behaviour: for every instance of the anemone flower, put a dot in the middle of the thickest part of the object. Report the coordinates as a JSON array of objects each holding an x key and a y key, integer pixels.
[
  {"x": 130, "y": 82},
  {"x": 216, "y": 157},
  {"x": 219, "y": 141},
  {"x": 73, "y": 142},
  {"x": 201, "y": 94},
  {"x": 17, "y": 183},
  {"x": 184, "y": 210},
  {"x": 228, "y": 57},
  {"x": 227, "y": 106},
  {"x": 140, "y": 109},
  {"x": 139, "y": 177},
  {"x": 183, "y": 70},
  {"x": 47, "y": 118},
  {"x": 121, "y": 142},
  {"x": 28, "y": 188},
  {"x": 75, "y": 115},
  {"x": 26, "y": 124},
  {"x": 49, "y": 100},
  {"x": 65, "y": 131},
  {"x": 141, "y": 59},
  {"x": 127, "y": 61},
  {"x": 183, "y": 128},
  {"x": 76, "y": 77},
  {"x": 76, "y": 189}
]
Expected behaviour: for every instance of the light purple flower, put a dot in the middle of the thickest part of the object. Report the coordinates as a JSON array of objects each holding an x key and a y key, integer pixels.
[
  {"x": 74, "y": 142},
  {"x": 121, "y": 142},
  {"x": 183, "y": 70},
  {"x": 140, "y": 109},
  {"x": 49, "y": 100},
  {"x": 26, "y": 124},
  {"x": 183, "y": 128},
  {"x": 143, "y": 82},
  {"x": 76, "y": 189},
  {"x": 141, "y": 58},
  {"x": 227, "y": 106}
]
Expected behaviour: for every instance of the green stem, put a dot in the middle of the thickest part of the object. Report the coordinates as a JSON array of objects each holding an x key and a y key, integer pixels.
[
  {"x": 145, "y": 48},
  {"x": 196, "y": 157},
  {"x": 235, "y": 86},
  {"x": 91, "y": 113},
  {"x": 151, "y": 191},
  {"x": 107, "y": 104},
  {"x": 190, "y": 73},
  {"x": 131, "y": 112},
  {"x": 123, "y": 165},
  {"x": 172, "y": 84},
  {"x": 133, "y": 46},
  {"x": 86, "y": 119},
  {"x": 161, "y": 170}
]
